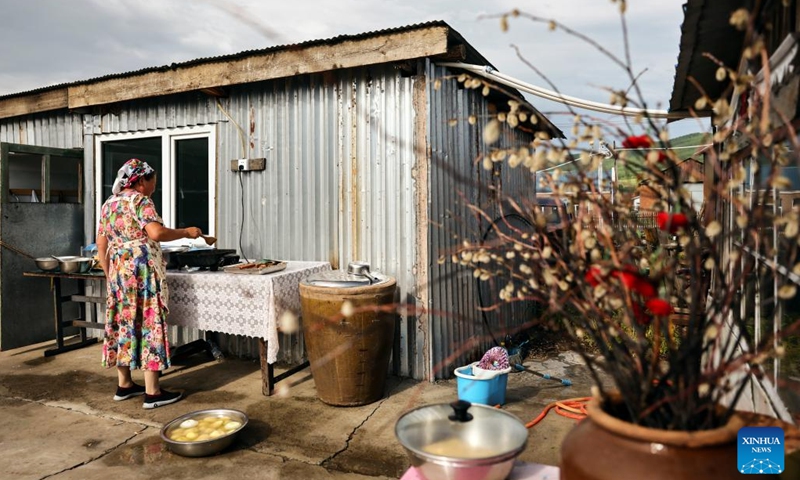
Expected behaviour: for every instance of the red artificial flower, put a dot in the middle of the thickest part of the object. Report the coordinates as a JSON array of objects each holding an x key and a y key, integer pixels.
[
  {"x": 662, "y": 157},
  {"x": 641, "y": 141},
  {"x": 671, "y": 222},
  {"x": 659, "y": 306},
  {"x": 594, "y": 276},
  {"x": 635, "y": 282}
]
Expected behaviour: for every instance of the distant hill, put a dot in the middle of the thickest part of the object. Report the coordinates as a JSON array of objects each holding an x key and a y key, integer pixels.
[
  {"x": 684, "y": 147},
  {"x": 687, "y": 141}
]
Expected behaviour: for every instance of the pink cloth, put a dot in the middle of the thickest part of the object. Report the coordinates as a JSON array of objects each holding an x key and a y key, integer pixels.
[
  {"x": 521, "y": 471},
  {"x": 496, "y": 358}
]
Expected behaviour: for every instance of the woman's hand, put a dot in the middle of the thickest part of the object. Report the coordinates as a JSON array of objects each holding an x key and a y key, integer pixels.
[{"x": 193, "y": 232}]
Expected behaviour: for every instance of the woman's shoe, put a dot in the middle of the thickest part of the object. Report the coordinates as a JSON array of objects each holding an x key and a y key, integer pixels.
[
  {"x": 126, "y": 393},
  {"x": 165, "y": 398}
]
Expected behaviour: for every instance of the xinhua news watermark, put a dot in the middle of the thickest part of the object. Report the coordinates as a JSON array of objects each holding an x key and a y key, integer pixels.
[{"x": 760, "y": 450}]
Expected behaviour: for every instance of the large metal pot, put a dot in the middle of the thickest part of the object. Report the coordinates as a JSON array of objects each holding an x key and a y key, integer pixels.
[
  {"x": 349, "y": 357},
  {"x": 461, "y": 440}
]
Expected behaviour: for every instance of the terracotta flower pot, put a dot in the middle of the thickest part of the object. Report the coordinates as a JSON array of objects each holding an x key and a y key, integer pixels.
[{"x": 604, "y": 447}]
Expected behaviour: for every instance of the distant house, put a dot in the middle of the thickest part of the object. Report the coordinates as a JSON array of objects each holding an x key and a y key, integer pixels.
[
  {"x": 369, "y": 151},
  {"x": 546, "y": 198},
  {"x": 691, "y": 172}
]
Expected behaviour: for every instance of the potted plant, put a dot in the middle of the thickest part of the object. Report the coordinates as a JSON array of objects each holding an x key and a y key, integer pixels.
[{"x": 664, "y": 313}]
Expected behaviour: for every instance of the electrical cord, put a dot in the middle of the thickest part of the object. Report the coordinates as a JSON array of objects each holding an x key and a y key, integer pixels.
[
  {"x": 238, "y": 128},
  {"x": 241, "y": 226},
  {"x": 241, "y": 182}
]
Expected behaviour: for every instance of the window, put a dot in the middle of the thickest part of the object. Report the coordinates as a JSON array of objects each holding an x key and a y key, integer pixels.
[
  {"x": 185, "y": 160},
  {"x": 41, "y": 174}
]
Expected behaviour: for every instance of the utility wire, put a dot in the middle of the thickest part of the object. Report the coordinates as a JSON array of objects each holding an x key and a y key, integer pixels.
[{"x": 664, "y": 148}]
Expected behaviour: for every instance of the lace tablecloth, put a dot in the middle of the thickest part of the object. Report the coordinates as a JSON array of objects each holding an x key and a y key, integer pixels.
[{"x": 238, "y": 304}]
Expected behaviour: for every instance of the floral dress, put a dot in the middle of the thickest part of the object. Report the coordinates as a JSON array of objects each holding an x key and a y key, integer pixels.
[{"x": 136, "y": 305}]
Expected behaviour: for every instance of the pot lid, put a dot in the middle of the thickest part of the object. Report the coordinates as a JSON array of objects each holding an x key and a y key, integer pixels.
[
  {"x": 357, "y": 274},
  {"x": 461, "y": 431}
]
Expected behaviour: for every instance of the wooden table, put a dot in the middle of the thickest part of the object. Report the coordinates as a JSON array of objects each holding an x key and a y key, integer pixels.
[
  {"x": 237, "y": 304},
  {"x": 86, "y": 318}
]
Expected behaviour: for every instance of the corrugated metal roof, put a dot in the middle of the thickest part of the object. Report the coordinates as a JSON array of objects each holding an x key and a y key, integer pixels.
[
  {"x": 706, "y": 29},
  {"x": 246, "y": 53}
]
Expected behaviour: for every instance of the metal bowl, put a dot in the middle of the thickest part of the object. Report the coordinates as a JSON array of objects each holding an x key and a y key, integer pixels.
[
  {"x": 203, "y": 448},
  {"x": 48, "y": 264},
  {"x": 75, "y": 264},
  {"x": 461, "y": 440}
]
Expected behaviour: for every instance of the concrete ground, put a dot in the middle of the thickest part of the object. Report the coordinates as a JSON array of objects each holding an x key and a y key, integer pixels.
[{"x": 59, "y": 421}]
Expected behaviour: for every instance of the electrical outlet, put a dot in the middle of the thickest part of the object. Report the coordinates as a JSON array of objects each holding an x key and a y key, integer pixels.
[{"x": 248, "y": 164}]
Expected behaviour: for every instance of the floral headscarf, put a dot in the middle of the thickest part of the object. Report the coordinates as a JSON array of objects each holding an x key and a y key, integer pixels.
[{"x": 133, "y": 170}]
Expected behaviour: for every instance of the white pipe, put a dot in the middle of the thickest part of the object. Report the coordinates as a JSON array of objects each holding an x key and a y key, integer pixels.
[{"x": 492, "y": 74}]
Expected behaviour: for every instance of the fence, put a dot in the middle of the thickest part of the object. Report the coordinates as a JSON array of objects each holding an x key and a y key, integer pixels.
[{"x": 639, "y": 221}]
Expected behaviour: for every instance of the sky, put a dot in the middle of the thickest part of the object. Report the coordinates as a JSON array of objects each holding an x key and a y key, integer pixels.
[{"x": 47, "y": 42}]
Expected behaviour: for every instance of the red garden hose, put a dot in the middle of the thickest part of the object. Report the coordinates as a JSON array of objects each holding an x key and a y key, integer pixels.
[{"x": 574, "y": 408}]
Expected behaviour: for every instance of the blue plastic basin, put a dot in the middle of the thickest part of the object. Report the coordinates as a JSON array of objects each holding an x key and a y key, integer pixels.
[{"x": 485, "y": 391}]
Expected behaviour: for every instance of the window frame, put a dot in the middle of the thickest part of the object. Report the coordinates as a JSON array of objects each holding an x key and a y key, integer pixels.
[{"x": 168, "y": 161}]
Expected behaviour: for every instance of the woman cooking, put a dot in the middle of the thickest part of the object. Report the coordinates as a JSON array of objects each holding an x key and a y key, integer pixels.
[{"x": 136, "y": 307}]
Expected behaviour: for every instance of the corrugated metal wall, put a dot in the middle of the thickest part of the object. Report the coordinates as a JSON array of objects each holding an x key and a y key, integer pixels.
[
  {"x": 457, "y": 329},
  {"x": 337, "y": 186},
  {"x": 58, "y": 130},
  {"x": 160, "y": 113}
]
